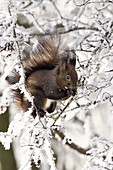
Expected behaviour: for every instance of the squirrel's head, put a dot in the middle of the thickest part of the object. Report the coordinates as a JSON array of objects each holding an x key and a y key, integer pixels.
[{"x": 66, "y": 74}]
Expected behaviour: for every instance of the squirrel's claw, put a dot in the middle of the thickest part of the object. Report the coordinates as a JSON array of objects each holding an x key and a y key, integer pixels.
[
  {"x": 41, "y": 112},
  {"x": 71, "y": 92}
]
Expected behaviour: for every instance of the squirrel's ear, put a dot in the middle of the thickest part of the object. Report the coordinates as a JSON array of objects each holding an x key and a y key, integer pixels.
[
  {"x": 62, "y": 66},
  {"x": 72, "y": 58},
  {"x": 64, "y": 63}
]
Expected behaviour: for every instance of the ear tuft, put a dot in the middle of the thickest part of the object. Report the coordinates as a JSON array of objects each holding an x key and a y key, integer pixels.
[
  {"x": 72, "y": 58},
  {"x": 68, "y": 58}
]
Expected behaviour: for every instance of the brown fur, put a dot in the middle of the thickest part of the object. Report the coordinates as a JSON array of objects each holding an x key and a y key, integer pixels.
[{"x": 50, "y": 74}]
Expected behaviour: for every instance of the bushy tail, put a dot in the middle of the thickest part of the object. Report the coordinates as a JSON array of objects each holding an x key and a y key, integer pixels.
[{"x": 45, "y": 54}]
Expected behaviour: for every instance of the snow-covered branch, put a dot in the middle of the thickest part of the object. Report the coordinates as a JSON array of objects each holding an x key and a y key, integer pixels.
[{"x": 87, "y": 27}]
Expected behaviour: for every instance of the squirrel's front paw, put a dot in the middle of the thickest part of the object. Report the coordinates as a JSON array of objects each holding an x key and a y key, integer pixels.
[
  {"x": 71, "y": 92},
  {"x": 41, "y": 112}
]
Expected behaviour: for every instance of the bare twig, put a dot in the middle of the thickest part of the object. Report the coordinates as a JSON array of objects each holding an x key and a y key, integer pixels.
[
  {"x": 63, "y": 110},
  {"x": 65, "y": 31}
]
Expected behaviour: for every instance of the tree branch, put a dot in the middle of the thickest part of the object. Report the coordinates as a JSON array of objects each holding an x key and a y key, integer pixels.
[{"x": 72, "y": 145}]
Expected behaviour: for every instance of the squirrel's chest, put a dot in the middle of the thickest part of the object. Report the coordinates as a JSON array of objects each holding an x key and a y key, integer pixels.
[{"x": 56, "y": 94}]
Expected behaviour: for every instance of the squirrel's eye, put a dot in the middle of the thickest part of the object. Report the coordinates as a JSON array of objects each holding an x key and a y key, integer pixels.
[{"x": 68, "y": 77}]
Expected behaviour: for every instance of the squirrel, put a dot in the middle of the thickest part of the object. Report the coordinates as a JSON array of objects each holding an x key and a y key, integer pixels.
[{"x": 49, "y": 74}]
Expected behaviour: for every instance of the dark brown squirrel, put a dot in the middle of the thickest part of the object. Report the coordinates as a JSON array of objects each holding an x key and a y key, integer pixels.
[{"x": 49, "y": 74}]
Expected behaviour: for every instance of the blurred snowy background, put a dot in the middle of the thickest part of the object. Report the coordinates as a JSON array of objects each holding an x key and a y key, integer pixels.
[{"x": 79, "y": 124}]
